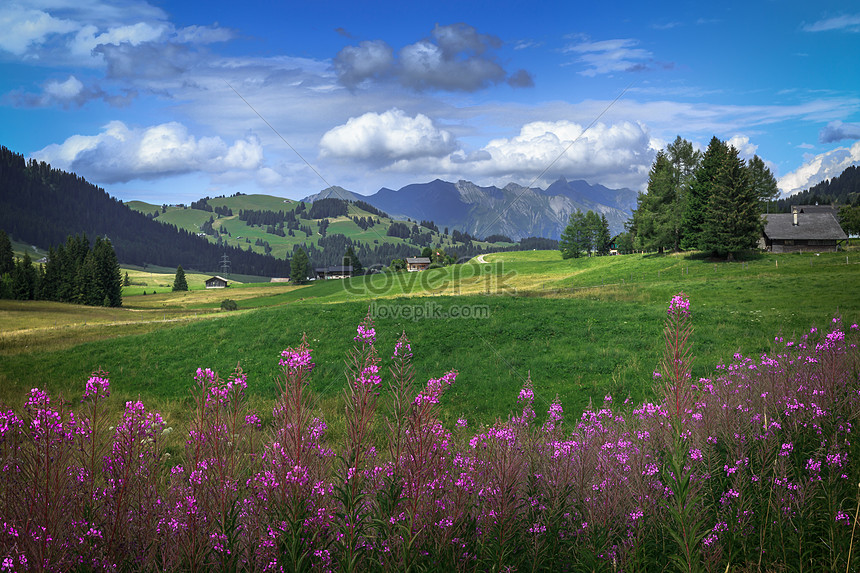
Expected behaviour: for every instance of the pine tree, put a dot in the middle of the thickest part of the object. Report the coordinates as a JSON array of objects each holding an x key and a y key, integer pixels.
[
  {"x": 7, "y": 259},
  {"x": 179, "y": 282},
  {"x": 575, "y": 237},
  {"x": 699, "y": 195},
  {"x": 604, "y": 238},
  {"x": 299, "y": 265},
  {"x": 24, "y": 279},
  {"x": 762, "y": 181},
  {"x": 732, "y": 221},
  {"x": 107, "y": 277},
  {"x": 350, "y": 258}
]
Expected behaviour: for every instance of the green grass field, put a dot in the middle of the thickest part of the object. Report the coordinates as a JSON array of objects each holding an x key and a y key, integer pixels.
[{"x": 581, "y": 328}]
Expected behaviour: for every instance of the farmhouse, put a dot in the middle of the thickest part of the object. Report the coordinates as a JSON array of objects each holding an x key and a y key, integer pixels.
[
  {"x": 336, "y": 272},
  {"x": 808, "y": 228},
  {"x": 417, "y": 263},
  {"x": 216, "y": 282}
]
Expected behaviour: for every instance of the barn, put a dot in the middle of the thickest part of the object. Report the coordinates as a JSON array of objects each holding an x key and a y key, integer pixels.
[
  {"x": 216, "y": 282},
  {"x": 808, "y": 228}
]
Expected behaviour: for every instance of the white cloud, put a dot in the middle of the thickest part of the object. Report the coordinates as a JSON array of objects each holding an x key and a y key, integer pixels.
[
  {"x": 837, "y": 131},
  {"x": 609, "y": 56},
  {"x": 847, "y": 22},
  {"x": 24, "y": 28},
  {"x": 454, "y": 58},
  {"x": 386, "y": 137},
  {"x": 354, "y": 64},
  {"x": 743, "y": 145},
  {"x": 614, "y": 155},
  {"x": 120, "y": 153},
  {"x": 818, "y": 168},
  {"x": 67, "y": 90}
]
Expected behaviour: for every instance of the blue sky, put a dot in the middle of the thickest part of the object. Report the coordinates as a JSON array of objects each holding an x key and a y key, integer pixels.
[{"x": 168, "y": 101}]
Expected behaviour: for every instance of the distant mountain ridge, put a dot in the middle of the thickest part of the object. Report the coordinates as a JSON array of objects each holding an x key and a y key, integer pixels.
[{"x": 513, "y": 210}]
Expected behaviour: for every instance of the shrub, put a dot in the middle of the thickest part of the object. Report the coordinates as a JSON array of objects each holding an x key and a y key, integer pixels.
[{"x": 229, "y": 304}]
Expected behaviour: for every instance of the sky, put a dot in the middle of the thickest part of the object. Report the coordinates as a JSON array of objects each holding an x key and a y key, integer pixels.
[{"x": 168, "y": 101}]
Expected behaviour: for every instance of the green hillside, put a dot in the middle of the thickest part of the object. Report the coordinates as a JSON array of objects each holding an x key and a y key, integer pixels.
[{"x": 230, "y": 230}]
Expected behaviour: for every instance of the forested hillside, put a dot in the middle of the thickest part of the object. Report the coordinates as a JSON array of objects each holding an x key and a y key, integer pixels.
[
  {"x": 843, "y": 189},
  {"x": 42, "y": 206}
]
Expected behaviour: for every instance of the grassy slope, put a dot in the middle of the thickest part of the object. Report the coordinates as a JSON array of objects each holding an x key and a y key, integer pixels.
[
  {"x": 552, "y": 318},
  {"x": 245, "y": 236}
]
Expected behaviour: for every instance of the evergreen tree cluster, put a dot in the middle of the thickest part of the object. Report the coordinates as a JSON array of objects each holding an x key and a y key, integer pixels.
[
  {"x": 499, "y": 239},
  {"x": 74, "y": 272},
  {"x": 42, "y": 206},
  {"x": 364, "y": 223},
  {"x": 324, "y": 208},
  {"x": 398, "y": 229},
  {"x": 586, "y": 233},
  {"x": 709, "y": 201},
  {"x": 429, "y": 225},
  {"x": 365, "y": 206}
]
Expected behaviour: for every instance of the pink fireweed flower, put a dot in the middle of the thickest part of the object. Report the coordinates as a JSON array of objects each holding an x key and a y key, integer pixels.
[
  {"x": 298, "y": 359},
  {"x": 431, "y": 393},
  {"x": 98, "y": 386},
  {"x": 37, "y": 399},
  {"x": 366, "y": 334},
  {"x": 369, "y": 376},
  {"x": 555, "y": 412},
  {"x": 402, "y": 349},
  {"x": 679, "y": 306},
  {"x": 462, "y": 423},
  {"x": 205, "y": 377}
]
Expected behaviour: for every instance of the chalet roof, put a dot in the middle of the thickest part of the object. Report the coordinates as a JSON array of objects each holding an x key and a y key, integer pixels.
[
  {"x": 820, "y": 226},
  {"x": 334, "y": 269},
  {"x": 815, "y": 209},
  {"x": 418, "y": 260},
  {"x": 217, "y": 277}
]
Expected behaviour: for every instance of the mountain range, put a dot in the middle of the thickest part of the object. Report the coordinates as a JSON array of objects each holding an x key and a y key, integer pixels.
[{"x": 512, "y": 210}]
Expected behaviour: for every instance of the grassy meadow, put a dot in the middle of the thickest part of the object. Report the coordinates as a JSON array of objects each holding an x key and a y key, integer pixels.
[{"x": 580, "y": 328}]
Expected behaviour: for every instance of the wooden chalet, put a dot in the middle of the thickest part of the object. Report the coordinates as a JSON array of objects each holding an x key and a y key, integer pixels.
[
  {"x": 335, "y": 272},
  {"x": 417, "y": 263},
  {"x": 216, "y": 282},
  {"x": 808, "y": 228}
]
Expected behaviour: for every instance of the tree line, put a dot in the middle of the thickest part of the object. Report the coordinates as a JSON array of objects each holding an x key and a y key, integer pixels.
[{"x": 75, "y": 272}]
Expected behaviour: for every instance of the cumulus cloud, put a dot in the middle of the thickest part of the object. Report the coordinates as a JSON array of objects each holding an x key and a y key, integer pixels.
[
  {"x": 846, "y": 22},
  {"x": 121, "y": 154},
  {"x": 354, "y": 64},
  {"x": 387, "y": 137},
  {"x": 837, "y": 131},
  {"x": 818, "y": 168},
  {"x": 454, "y": 58},
  {"x": 619, "y": 154},
  {"x": 611, "y": 56},
  {"x": 24, "y": 28},
  {"x": 743, "y": 145}
]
